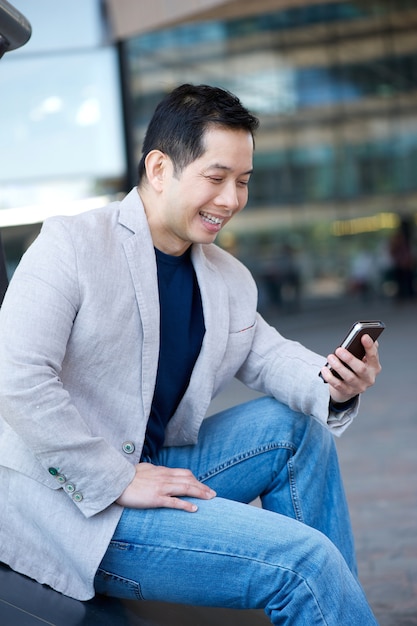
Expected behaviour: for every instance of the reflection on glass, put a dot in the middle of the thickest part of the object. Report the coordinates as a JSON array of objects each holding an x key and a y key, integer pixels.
[
  {"x": 62, "y": 128},
  {"x": 334, "y": 85},
  {"x": 60, "y": 120}
]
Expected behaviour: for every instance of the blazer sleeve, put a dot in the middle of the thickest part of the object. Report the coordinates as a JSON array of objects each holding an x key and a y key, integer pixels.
[
  {"x": 288, "y": 371},
  {"x": 36, "y": 320}
]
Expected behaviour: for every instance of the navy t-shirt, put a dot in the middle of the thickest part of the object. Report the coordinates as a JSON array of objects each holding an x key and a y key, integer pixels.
[{"x": 181, "y": 335}]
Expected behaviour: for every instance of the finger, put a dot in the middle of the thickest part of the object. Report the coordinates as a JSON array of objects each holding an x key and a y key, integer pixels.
[
  {"x": 340, "y": 366},
  {"x": 372, "y": 356},
  {"x": 369, "y": 344},
  {"x": 176, "y": 482},
  {"x": 179, "y": 504},
  {"x": 173, "y": 493},
  {"x": 185, "y": 483},
  {"x": 163, "y": 471},
  {"x": 192, "y": 488},
  {"x": 345, "y": 357}
]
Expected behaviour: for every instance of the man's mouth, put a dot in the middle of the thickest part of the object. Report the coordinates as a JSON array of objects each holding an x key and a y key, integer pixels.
[{"x": 211, "y": 219}]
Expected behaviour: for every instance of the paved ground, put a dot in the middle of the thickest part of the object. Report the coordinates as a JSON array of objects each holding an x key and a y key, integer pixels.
[
  {"x": 378, "y": 452},
  {"x": 379, "y": 464}
]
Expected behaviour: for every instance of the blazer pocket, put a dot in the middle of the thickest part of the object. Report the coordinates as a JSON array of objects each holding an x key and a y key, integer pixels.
[
  {"x": 239, "y": 343},
  {"x": 246, "y": 329}
]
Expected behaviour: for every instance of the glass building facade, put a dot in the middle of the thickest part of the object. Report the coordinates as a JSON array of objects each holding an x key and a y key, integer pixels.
[
  {"x": 61, "y": 124},
  {"x": 335, "y": 87}
]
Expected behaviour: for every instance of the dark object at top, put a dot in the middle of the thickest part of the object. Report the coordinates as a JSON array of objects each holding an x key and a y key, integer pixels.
[{"x": 15, "y": 29}]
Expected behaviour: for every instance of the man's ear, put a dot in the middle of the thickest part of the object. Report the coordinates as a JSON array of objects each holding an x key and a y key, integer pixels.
[{"x": 155, "y": 165}]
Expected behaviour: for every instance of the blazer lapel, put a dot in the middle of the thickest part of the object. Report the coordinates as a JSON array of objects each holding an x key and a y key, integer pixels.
[{"x": 140, "y": 255}]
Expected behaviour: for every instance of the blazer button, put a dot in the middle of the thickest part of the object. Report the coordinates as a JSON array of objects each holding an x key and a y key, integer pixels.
[
  {"x": 69, "y": 487},
  {"x": 61, "y": 478},
  {"x": 128, "y": 447},
  {"x": 77, "y": 496}
]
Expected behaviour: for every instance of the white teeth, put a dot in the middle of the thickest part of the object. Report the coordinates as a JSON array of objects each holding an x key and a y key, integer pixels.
[{"x": 211, "y": 218}]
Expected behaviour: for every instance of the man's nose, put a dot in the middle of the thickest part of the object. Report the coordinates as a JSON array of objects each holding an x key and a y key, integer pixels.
[{"x": 228, "y": 197}]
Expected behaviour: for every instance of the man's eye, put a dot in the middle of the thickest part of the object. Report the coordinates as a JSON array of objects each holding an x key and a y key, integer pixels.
[
  {"x": 243, "y": 183},
  {"x": 215, "y": 179}
]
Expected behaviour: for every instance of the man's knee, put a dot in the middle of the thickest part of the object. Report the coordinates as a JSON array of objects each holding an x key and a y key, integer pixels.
[{"x": 298, "y": 425}]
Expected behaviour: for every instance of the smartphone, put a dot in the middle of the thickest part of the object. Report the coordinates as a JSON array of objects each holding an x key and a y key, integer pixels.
[{"x": 352, "y": 341}]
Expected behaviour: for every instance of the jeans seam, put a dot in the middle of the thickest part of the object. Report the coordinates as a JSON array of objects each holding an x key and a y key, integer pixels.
[
  {"x": 239, "y": 557},
  {"x": 261, "y": 450},
  {"x": 128, "y": 582},
  {"x": 246, "y": 455},
  {"x": 294, "y": 493}
]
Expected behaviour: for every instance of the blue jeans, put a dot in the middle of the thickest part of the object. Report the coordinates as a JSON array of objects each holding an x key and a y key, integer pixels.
[{"x": 294, "y": 557}]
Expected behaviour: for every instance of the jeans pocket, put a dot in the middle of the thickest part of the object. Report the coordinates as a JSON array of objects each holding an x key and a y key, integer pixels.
[{"x": 109, "y": 584}]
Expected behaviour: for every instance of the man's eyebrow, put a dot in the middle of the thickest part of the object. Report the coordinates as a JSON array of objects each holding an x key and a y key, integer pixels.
[{"x": 219, "y": 166}]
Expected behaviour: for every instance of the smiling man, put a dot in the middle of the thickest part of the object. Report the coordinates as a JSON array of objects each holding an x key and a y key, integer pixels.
[
  {"x": 193, "y": 206},
  {"x": 119, "y": 327}
]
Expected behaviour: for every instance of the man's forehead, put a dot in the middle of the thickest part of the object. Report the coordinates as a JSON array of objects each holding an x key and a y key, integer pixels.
[
  {"x": 228, "y": 149},
  {"x": 226, "y": 168}
]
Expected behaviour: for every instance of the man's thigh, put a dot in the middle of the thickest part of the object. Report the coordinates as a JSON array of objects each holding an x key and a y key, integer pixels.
[
  {"x": 264, "y": 449},
  {"x": 226, "y": 554},
  {"x": 230, "y": 553}
]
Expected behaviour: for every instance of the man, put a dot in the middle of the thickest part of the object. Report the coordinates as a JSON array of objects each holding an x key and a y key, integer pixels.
[{"x": 119, "y": 327}]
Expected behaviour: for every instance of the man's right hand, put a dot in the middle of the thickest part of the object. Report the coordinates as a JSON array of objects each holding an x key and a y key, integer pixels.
[{"x": 154, "y": 486}]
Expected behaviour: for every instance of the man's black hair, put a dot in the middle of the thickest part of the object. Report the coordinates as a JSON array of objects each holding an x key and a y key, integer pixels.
[{"x": 180, "y": 120}]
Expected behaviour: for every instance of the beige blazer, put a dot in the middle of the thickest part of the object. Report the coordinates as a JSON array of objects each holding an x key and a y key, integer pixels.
[{"x": 79, "y": 342}]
